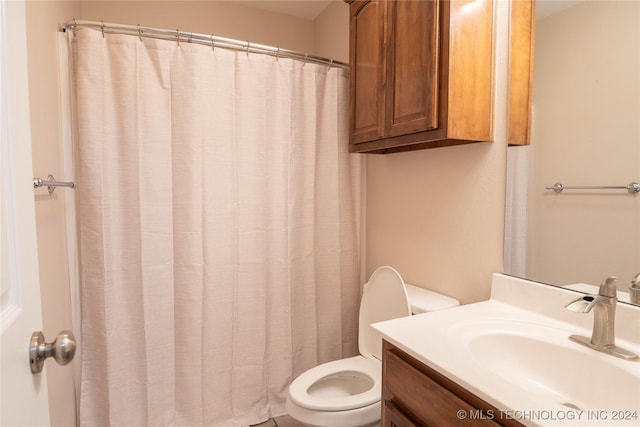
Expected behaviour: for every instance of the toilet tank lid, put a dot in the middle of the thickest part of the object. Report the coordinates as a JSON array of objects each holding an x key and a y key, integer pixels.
[{"x": 423, "y": 300}]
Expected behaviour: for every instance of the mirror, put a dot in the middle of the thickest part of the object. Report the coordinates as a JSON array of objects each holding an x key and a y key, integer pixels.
[{"x": 585, "y": 131}]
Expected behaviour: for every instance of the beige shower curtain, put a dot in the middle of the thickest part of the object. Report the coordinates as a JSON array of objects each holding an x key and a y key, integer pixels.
[{"x": 219, "y": 229}]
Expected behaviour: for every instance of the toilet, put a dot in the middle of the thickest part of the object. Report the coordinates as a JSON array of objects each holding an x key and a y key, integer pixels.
[{"x": 347, "y": 392}]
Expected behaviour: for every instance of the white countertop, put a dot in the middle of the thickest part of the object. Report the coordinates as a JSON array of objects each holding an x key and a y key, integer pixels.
[{"x": 437, "y": 339}]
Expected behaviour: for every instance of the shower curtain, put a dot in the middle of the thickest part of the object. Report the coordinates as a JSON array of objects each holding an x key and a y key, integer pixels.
[{"x": 219, "y": 227}]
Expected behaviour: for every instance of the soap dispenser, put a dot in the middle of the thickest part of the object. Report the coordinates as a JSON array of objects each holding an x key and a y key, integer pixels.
[{"x": 634, "y": 290}]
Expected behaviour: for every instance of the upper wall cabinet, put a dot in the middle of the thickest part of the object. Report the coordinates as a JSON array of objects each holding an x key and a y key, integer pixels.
[{"x": 421, "y": 74}]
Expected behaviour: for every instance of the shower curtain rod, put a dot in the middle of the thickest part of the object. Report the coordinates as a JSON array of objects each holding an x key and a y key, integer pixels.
[{"x": 204, "y": 39}]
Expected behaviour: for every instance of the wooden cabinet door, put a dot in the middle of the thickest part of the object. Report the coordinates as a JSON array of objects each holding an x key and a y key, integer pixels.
[
  {"x": 392, "y": 416},
  {"x": 521, "y": 48},
  {"x": 413, "y": 66},
  {"x": 367, "y": 51},
  {"x": 414, "y": 394}
]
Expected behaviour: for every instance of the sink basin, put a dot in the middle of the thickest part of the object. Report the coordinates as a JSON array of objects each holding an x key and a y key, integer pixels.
[
  {"x": 533, "y": 361},
  {"x": 559, "y": 372}
]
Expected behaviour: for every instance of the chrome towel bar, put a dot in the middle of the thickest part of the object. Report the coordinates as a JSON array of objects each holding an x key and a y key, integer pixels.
[
  {"x": 51, "y": 183},
  {"x": 632, "y": 187}
]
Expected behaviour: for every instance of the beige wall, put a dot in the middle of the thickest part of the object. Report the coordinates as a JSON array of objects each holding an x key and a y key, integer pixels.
[
  {"x": 332, "y": 32},
  {"x": 437, "y": 215},
  {"x": 43, "y": 20},
  {"x": 220, "y": 18},
  {"x": 586, "y": 131}
]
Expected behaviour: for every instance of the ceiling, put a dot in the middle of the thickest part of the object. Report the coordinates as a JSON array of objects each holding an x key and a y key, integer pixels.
[{"x": 306, "y": 9}]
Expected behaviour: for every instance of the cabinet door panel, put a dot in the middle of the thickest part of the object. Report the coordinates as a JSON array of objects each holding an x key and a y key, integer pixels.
[
  {"x": 425, "y": 400},
  {"x": 393, "y": 417},
  {"x": 471, "y": 85},
  {"x": 521, "y": 47},
  {"x": 368, "y": 75},
  {"x": 413, "y": 67}
]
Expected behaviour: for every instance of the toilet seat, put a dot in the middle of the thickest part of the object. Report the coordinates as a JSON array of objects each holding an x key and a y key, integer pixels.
[
  {"x": 307, "y": 390},
  {"x": 347, "y": 392}
]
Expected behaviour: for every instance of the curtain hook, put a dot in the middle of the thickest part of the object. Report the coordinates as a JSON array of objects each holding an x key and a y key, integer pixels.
[
  {"x": 306, "y": 58},
  {"x": 139, "y": 32},
  {"x": 248, "y": 47},
  {"x": 178, "y": 35},
  {"x": 74, "y": 27},
  {"x": 213, "y": 44},
  {"x": 190, "y": 37},
  {"x": 277, "y": 54},
  {"x": 102, "y": 28}
]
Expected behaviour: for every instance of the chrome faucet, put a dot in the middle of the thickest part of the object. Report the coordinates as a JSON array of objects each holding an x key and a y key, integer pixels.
[
  {"x": 634, "y": 290},
  {"x": 604, "y": 316}
]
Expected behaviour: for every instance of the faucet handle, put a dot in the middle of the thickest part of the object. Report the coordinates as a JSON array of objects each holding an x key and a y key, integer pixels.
[{"x": 608, "y": 287}]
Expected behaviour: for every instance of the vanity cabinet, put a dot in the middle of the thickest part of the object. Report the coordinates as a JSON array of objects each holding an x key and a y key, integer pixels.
[
  {"x": 414, "y": 394},
  {"x": 421, "y": 74}
]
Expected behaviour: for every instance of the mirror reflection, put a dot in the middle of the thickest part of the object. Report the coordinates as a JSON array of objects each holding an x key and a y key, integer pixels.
[{"x": 585, "y": 132}]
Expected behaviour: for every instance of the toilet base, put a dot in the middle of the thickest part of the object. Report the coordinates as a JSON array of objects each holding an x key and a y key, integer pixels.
[{"x": 368, "y": 416}]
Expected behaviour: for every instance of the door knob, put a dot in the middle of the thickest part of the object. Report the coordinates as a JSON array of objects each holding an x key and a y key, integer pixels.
[{"x": 62, "y": 349}]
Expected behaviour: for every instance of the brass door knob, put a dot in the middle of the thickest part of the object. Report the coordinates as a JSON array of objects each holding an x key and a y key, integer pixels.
[{"x": 62, "y": 349}]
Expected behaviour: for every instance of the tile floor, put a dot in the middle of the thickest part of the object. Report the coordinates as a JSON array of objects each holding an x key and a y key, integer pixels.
[{"x": 283, "y": 421}]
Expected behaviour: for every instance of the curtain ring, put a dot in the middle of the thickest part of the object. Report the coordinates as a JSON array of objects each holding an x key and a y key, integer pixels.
[
  {"x": 306, "y": 58},
  {"x": 74, "y": 27},
  {"x": 190, "y": 37},
  {"x": 102, "y": 28},
  {"x": 277, "y": 54},
  {"x": 213, "y": 44},
  {"x": 139, "y": 32},
  {"x": 248, "y": 47},
  {"x": 178, "y": 35}
]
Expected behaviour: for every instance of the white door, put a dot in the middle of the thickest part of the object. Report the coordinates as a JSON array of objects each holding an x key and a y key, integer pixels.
[{"x": 23, "y": 398}]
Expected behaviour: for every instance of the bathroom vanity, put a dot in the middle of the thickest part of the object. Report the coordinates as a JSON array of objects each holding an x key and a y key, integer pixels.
[
  {"x": 509, "y": 361},
  {"x": 413, "y": 394}
]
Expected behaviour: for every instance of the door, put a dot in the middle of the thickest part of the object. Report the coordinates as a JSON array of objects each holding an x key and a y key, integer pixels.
[{"x": 23, "y": 395}]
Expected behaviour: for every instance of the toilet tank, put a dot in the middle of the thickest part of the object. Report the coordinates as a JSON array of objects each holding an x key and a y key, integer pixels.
[{"x": 423, "y": 300}]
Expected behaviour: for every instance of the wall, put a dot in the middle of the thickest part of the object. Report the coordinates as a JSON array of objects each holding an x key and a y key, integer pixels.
[
  {"x": 586, "y": 104},
  {"x": 437, "y": 215},
  {"x": 220, "y": 18},
  {"x": 43, "y": 20},
  {"x": 331, "y": 30}
]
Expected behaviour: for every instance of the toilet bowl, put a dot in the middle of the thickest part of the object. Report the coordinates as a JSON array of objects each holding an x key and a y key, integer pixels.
[{"x": 347, "y": 392}]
